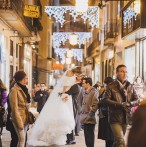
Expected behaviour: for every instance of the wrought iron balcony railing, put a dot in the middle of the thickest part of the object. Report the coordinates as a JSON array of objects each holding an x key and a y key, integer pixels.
[{"x": 110, "y": 29}]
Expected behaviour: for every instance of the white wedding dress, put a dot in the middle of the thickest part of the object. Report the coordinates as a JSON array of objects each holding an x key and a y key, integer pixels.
[{"x": 56, "y": 118}]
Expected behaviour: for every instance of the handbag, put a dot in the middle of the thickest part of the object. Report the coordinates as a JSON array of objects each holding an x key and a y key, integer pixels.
[{"x": 30, "y": 118}]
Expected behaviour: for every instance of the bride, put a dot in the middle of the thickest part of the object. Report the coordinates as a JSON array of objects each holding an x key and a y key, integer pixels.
[{"x": 56, "y": 118}]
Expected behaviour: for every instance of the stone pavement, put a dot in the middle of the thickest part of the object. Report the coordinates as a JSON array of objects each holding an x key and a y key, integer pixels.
[{"x": 79, "y": 139}]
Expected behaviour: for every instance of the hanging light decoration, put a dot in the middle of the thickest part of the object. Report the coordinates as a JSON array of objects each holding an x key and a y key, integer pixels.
[
  {"x": 63, "y": 62},
  {"x": 91, "y": 14},
  {"x": 137, "y": 6},
  {"x": 81, "y": 6},
  {"x": 73, "y": 39},
  {"x": 69, "y": 53},
  {"x": 68, "y": 60},
  {"x": 61, "y": 37}
]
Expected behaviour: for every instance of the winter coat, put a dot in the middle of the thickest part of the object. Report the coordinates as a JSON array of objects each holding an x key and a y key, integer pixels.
[
  {"x": 113, "y": 98},
  {"x": 104, "y": 128},
  {"x": 18, "y": 103},
  {"x": 41, "y": 98},
  {"x": 89, "y": 106},
  {"x": 3, "y": 97}
]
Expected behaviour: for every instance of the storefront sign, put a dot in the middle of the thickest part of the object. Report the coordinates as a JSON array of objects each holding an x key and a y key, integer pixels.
[
  {"x": 31, "y": 11},
  {"x": 57, "y": 66}
]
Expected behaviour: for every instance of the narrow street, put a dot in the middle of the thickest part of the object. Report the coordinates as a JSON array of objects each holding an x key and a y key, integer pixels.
[{"x": 79, "y": 139}]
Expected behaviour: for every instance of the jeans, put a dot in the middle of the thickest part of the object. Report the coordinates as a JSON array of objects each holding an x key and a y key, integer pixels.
[
  {"x": 119, "y": 131},
  {"x": 89, "y": 134},
  {"x": 21, "y": 135},
  {"x": 14, "y": 138},
  {"x": 108, "y": 143}
]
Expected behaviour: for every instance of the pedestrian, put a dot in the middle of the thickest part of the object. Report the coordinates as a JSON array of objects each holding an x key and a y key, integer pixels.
[
  {"x": 104, "y": 128},
  {"x": 97, "y": 85},
  {"x": 74, "y": 91},
  {"x": 9, "y": 124},
  {"x": 41, "y": 97},
  {"x": 120, "y": 96},
  {"x": 19, "y": 99},
  {"x": 3, "y": 100},
  {"x": 3, "y": 94},
  {"x": 89, "y": 107},
  {"x": 136, "y": 137}
]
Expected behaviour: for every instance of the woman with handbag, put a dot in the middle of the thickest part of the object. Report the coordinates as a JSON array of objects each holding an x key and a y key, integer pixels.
[{"x": 19, "y": 99}]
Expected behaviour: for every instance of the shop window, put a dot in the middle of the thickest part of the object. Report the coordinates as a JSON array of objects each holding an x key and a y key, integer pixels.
[
  {"x": 130, "y": 62},
  {"x": 11, "y": 48}
]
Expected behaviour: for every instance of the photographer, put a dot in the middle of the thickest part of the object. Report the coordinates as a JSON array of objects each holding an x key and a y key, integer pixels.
[{"x": 41, "y": 97}]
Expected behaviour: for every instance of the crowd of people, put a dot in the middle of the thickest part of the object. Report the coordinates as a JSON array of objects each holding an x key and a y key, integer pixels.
[{"x": 72, "y": 105}]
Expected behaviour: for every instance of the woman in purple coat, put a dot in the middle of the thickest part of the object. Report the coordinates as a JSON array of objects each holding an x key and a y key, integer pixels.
[
  {"x": 3, "y": 94},
  {"x": 3, "y": 100}
]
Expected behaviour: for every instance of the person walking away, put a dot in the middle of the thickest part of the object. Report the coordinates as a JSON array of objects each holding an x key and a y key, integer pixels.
[
  {"x": 41, "y": 97},
  {"x": 104, "y": 128},
  {"x": 89, "y": 107},
  {"x": 120, "y": 96},
  {"x": 19, "y": 98}
]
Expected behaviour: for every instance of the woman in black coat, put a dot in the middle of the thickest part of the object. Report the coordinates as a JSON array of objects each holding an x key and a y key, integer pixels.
[{"x": 104, "y": 128}]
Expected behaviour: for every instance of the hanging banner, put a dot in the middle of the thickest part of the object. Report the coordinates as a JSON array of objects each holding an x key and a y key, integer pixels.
[{"x": 31, "y": 11}]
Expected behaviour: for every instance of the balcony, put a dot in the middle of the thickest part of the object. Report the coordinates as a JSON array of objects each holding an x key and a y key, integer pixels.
[
  {"x": 110, "y": 31},
  {"x": 11, "y": 11},
  {"x": 93, "y": 50}
]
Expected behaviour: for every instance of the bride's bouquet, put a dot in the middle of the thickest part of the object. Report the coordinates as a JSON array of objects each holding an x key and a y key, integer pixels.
[{"x": 63, "y": 96}]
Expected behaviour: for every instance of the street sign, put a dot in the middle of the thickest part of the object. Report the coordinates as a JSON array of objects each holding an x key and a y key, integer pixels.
[{"x": 31, "y": 11}]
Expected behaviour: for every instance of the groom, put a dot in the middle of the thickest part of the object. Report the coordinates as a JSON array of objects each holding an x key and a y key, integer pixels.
[{"x": 74, "y": 91}]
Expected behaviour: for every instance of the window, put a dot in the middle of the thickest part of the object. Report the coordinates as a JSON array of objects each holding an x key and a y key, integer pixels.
[
  {"x": 16, "y": 50},
  {"x": 11, "y": 72},
  {"x": 130, "y": 62},
  {"x": 11, "y": 48}
]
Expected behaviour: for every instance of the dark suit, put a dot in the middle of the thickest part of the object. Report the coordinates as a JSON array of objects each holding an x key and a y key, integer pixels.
[{"x": 74, "y": 92}]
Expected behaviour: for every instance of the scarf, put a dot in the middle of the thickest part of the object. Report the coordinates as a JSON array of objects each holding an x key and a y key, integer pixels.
[
  {"x": 25, "y": 90},
  {"x": 122, "y": 88}
]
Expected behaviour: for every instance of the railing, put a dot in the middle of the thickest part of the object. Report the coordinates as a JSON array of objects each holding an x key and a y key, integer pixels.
[
  {"x": 110, "y": 29},
  {"x": 93, "y": 45},
  {"x": 18, "y": 6}
]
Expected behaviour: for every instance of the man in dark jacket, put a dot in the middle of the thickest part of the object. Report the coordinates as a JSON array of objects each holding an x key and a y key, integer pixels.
[
  {"x": 120, "y": 96},
  {"x": 89, "y": 107},
  {"x": 41, "y": 97}
]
